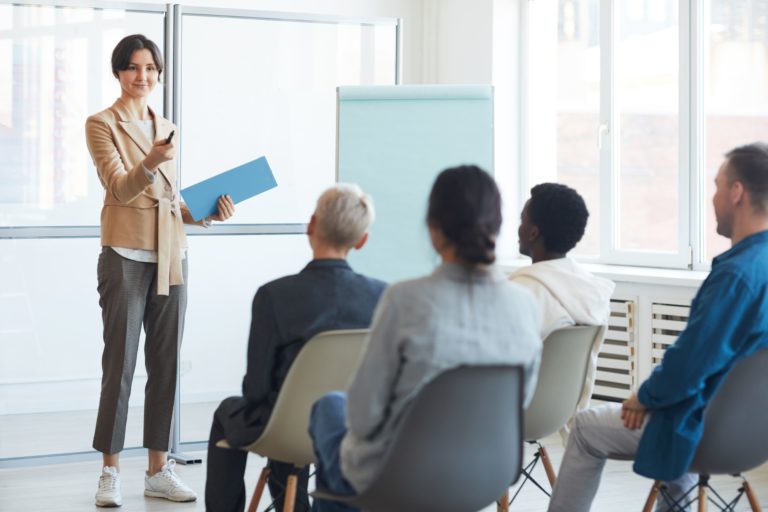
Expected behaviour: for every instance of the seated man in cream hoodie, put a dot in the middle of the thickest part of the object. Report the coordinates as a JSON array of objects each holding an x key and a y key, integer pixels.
[{"x": 551, "y": 224}]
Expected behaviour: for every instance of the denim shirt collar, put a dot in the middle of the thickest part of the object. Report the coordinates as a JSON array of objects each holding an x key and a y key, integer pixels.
[{"x": 750, "y": 241}]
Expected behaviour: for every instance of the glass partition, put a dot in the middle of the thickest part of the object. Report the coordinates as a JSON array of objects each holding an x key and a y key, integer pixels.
[
  {"x": 272, "y": 94},
  {"x": 55, "y": 64},
  {"x": 55, "y": 69}
]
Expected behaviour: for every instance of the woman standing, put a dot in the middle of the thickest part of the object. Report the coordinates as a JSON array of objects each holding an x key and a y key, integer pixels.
[{"x": 142, "y": 267}]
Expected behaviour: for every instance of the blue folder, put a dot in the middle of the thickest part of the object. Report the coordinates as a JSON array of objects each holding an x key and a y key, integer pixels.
[{"x": 240, "y": 183}]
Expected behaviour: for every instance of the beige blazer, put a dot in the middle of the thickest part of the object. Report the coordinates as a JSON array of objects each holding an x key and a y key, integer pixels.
[{"x": 138, "y": 213}]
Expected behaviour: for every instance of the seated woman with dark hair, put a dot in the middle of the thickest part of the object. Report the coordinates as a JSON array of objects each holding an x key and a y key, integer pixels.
[{"x": 465, "y": 312}]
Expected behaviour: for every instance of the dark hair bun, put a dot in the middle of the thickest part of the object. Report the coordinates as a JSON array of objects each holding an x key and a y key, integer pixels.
[
  {"x": 476, "y": 246},
  {"x": 465, "y": 204}
]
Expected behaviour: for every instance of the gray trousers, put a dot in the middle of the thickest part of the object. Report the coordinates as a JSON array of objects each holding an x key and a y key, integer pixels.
[
  {"x": 128, "y": 298},
  {"x": 599, "y": 434}
]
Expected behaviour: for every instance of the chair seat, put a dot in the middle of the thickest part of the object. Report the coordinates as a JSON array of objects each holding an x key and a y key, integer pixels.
[{"x": 321, "y": 494}]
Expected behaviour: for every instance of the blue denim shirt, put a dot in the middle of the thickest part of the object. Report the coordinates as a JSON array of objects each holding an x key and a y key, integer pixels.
[{"x": 728, "y": 321}]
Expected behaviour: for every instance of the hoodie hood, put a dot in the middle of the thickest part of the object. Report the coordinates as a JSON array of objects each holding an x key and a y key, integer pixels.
[{"x": 585, "y": 297}]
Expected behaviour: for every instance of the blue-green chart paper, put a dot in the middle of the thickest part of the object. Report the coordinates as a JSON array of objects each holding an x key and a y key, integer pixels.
[{"x": 393, "y": 141}]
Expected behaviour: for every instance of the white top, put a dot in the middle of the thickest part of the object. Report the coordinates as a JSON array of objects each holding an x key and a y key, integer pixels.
[
  {"x": 143, "y": 255},
  {"x": 568, "y": 295}
]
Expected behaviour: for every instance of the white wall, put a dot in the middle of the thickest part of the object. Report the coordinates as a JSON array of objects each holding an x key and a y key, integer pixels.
[
  {"x": 458, "y": 41},
  {"x": 478, "y": 43}
]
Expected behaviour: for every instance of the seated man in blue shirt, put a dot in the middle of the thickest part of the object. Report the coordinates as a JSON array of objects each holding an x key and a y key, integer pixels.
[
  {"x": 661, "y": 425},
  {"x": 287, "y": 312}
]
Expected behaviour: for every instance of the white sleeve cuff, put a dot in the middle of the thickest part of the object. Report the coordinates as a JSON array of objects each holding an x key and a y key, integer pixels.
[{"x": 151, "y": 175}]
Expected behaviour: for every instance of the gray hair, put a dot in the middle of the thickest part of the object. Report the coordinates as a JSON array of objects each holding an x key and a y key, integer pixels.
[{"x": 344, "y": 213}]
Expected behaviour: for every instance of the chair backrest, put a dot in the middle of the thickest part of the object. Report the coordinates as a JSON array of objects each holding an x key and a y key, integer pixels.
[
  {"x": 325, "y": 363},
  {"x": 736, "y": 420},
  {"x": 458, "y": 446},
  {"x": 565, "y": 358}
]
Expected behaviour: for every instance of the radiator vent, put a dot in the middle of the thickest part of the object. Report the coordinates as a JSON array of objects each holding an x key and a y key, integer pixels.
[
  {"x": 667, "y": 323},
  {"x": 616, "y": 361}
]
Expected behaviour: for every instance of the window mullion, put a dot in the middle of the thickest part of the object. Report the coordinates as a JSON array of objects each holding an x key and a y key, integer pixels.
[
  {"x": 686, "y": 149},
  {"x": 698, "y": 200},
  {"x": 608, "y": 133}
]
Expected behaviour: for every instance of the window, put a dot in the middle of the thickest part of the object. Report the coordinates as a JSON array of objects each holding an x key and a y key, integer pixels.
[
  {"x": 735, "y": 89},
  {"x": 563, "y": 133},
  {"x": 634, "y": 103}
]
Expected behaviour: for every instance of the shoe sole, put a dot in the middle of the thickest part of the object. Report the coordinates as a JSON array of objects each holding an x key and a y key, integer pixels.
[
  {"x": 110, "y": 504},
  {"x": 155, "y": 494}
]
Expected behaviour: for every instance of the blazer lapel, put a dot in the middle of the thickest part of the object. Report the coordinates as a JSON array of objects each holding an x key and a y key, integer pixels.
[
  {"x": 162, "y": 131},
  {"x": 132, "y": 129},
  {"x": 135, "y": 133}
]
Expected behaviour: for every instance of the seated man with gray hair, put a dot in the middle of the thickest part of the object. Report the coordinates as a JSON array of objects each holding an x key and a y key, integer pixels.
[{"x": 327, "y": 294}]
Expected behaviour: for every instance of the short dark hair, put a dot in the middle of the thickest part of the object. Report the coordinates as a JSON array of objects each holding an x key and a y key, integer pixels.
[
  {"x": 560, "y": 214},
  {"x": 465, "y": 204},
  {"x": 121, "y": 55},
  {"x": 749, "y": 165}
]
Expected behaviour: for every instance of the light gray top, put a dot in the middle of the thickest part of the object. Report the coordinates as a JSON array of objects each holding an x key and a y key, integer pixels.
[{"x": 421, "y": 328}]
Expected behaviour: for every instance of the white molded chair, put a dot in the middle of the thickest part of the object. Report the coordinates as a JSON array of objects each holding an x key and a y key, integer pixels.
[
  {"x": 325, "y": 363},
  {"x": 734, "y": 438},
  {"x": 565, "y": 359}
]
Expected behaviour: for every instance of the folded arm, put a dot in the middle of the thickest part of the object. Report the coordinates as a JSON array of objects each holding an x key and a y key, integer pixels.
[{"x": 718, "y": 329}]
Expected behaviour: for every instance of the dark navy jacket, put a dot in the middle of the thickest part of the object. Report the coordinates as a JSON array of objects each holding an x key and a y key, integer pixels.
[{"x": 286, "y": 313}]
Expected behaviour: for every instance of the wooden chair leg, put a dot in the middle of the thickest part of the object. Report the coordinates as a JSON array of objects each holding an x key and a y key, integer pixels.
[
  {"x": 547, "y": 465},
  {"x": 290, "y": 493},
  {"x": 649, "y": 503},
  {"x": 751, "y": 497},
  {"x": 503, "y": 504},
  {"x": 259, "y": 490},
  {"x": 702, "y": 498}
]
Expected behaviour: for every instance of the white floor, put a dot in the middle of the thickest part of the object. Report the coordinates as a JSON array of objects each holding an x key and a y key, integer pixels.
[{"x": 70, "y": 487}]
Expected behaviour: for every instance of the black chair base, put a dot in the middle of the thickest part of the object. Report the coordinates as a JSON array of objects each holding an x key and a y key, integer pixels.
[
  {"x": 703, "y": 493},
  {"x": 541, "y": 454}
]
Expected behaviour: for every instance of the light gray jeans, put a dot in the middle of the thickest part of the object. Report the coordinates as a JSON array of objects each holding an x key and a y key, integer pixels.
[{"x": 599, "y": 434}]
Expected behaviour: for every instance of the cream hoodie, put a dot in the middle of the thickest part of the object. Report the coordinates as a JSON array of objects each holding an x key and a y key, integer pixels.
[{"x": 568, "y": 295}]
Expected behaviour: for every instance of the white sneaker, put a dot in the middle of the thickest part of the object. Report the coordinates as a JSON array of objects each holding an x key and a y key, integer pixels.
[
  {"x": 167, "y": 484},
  {"x": 108, "y": 494}
]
